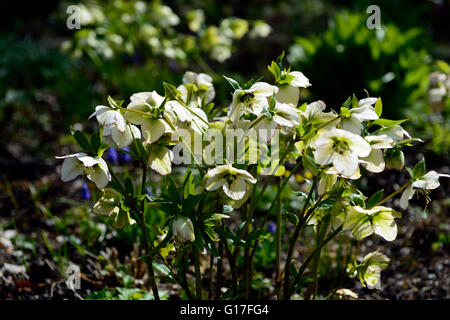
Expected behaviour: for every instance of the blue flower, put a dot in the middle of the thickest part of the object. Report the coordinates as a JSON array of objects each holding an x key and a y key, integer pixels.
[
  {"x": 85, "y": 193},
  {"x": 125, "y": 157},
  {"x": 112, "y": 156},
  {"x": 271, "y": 227}
]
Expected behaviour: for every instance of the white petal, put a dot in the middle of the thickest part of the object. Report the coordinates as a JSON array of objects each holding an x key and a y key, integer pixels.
[
  {"x": 99, "y": 174},
  {"x": 161, "y": 160},
  {"x": 152, "y": 129},
  {"x": 364, "y": 113},
  {"x": 324, "y": 151},
  {"x": 428, "y": 181},
  {"x": 236, "y": 190},
  {"x": 299, "y": 79},
  {"x": 352, "y": 124},
  {"x": 263, "y": 89},
  {"x": 346, "y": 164},
  {"x": 406, "y": 195},
  {"x": 71, "y": 168},
  {"x": 288, "y": 94},
  {"x": 360, "y": 146},
  {"x": 375, "y": 161}
]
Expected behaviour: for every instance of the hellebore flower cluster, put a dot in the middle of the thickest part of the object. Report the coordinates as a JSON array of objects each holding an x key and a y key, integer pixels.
[{"x": 324, "y": 151}]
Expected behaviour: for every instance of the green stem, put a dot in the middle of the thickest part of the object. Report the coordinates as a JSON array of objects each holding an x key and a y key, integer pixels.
[
  {"x": 198, "y": 278},
  {"x": 305, "y": 264},
  {"x": 301, "y": 223},
  {"x": 403, "y": 187},
  {"x": 278, "y": 243}
]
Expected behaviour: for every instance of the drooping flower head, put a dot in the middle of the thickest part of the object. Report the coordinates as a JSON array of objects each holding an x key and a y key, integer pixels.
[{"x": 95, "y": 168}]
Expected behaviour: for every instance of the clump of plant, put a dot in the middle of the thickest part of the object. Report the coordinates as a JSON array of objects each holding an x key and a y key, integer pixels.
[{"x": 209, "y": 168}]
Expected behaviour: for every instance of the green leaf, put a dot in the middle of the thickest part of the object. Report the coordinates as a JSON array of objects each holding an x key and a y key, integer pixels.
[
  {"x": 347, "y": 103},
  {"x": 129, "y": 186},
  {"x": 161, "y": 268},
  {"x": 419, "y": 169},
  {"x": 443, "y": 66},
  {"x": 82, "y": 141},
  {"x": 170, "y": 91},
  {"x": 379, "y": 107},
  {"x": 387, "y": 122},
  {"x": 198, "y": 242},
  {"x": 374, "y": 199},
  {"x": 233, "y": 83},
  {"x": 291, "y": 217}
]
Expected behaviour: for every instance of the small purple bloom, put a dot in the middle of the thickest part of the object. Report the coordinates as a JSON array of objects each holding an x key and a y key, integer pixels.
[
  {"x": 271, "y": 227},
  {"x": 125, "y": 157},
  {"x": 85, "y": 193},
  {"x": 149, "y": 192},
  {"x": 112, "y": 156}
]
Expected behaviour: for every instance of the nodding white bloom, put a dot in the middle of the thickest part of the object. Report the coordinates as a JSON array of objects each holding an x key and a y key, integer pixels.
[
  {"x": 395, "y": 132},
  {"x": 364, "y": 111},
  {"x": 109, "y": 205},
  {"x": 374, "y": 162},
  {"x": 115, "y": 126},
  {"x": 252, "y": 100},
  {"x": 340, "y": 147},
  {"x": 370, "y": 269},
  {"x": 282, "y": 115},
  {"x": 183, "y": 230},
  {"x": 233, "y": 181},
  {"x": 160, "y": 159},
  {"x": 289, "y": 90},
  {"x": 94, "y": 168},
  {"x": 203, "y": 88},
  {"x": 429, "y": 181},
  {"x": 153, "y": 126},
  {"x": 379, "y": 220},
  {"x": 314, "y": 114}
]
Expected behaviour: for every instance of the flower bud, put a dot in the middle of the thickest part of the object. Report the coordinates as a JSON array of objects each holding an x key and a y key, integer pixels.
[
  {"x": 395, "y": 159},
  {"x": 183, "y": 230}
]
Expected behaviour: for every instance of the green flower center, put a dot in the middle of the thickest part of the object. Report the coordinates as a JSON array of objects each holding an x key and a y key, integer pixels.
[
  {"x": 247, "y": 98},
  {"x": 340, "y": 145},
  {"x": 230, "y": 178}
]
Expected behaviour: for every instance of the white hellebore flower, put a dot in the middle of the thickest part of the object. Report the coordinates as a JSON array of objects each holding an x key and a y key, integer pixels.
[
  {"x": 153, "y": 126},
  {"x": 76, "y": 164},
  {"x": 115, "y": 126},
  {"x": 183, "y": 230},
  {"x": 429, "y": 181},
  {"x": 233, "y": 181},
  {"x": 283, "y": 115},
  {"x": 314, "y": 114},
  {"x": 340, "y": 147},
  {"x": 364, "y": 111},
  {"x": 379, "y": 220},
  {"x": 371, "y": 268},
  {"x": 252, "y": 100},
  {"x": 374, "y": 162},
  {"x": 203, "y": 83},
  {"x": 289, "y": 91}
]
